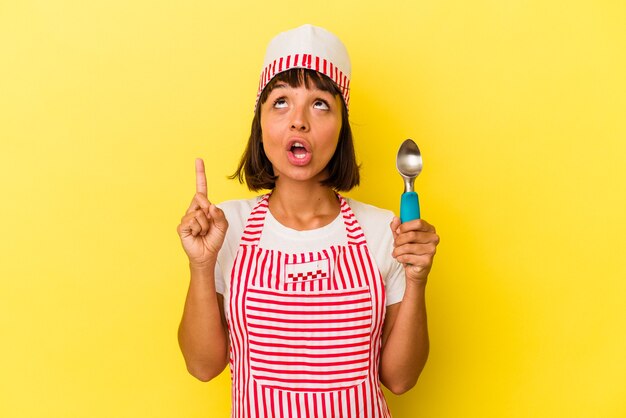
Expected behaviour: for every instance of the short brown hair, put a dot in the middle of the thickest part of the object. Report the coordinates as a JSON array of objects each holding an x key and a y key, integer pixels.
[{"x": 256, "y": 168}]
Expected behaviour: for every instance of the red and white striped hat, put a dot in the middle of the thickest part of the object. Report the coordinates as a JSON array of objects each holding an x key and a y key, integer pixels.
[{"x": 310, "y": 47}]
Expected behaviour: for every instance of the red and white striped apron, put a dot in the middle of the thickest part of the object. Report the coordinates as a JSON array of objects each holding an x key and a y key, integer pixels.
[{"x": 305, "y": 328}]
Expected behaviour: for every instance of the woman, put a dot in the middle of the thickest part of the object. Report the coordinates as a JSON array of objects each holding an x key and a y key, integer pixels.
[{"x": 313, "y": 299}]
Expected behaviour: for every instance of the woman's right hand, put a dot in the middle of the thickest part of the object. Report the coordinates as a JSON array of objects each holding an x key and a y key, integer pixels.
[{"x": 203, "y": 228}]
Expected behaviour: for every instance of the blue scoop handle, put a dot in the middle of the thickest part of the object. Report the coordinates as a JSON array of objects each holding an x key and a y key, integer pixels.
[{"x": 409, "y": 207}]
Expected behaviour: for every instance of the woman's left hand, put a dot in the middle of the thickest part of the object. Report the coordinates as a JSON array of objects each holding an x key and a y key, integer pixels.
[{"x": 415, "y": 245}]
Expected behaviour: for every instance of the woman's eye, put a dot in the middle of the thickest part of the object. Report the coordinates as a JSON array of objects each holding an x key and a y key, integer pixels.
[
  {"x": 280, "y": 103},
  {"x": 321, "y": 104}
]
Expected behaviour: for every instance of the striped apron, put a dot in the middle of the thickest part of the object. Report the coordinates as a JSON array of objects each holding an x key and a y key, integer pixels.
[{"x": 305, "y": 328}]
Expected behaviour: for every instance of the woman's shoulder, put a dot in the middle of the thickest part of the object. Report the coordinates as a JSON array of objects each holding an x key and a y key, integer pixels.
[
  {"x": 373, "y": 220},
  {"x": 238, "y": 206},
  {"x": 365, "y": 212},
  {"x": 237, "y": 213}
]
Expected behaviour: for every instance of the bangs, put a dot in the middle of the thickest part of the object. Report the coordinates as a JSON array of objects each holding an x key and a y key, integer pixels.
[{"x": 301, "y": 77}]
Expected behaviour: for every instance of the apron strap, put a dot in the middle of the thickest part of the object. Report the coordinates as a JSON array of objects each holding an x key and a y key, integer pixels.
[
  {"x": 256, "y": 221},
  {"x": 353, "y": 229}
]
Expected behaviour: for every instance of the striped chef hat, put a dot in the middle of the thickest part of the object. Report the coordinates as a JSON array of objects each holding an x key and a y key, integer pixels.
[{"x": 310, "y": 47}]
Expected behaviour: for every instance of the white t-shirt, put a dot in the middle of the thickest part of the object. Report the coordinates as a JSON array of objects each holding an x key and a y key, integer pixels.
[{"x": 374, "y": 223}]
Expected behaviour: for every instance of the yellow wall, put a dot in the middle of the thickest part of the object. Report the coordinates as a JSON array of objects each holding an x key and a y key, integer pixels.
[{"x": 519, "y": 108}]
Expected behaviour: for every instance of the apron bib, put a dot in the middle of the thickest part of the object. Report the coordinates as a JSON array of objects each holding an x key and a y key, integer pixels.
[{"x": 305, "y": 328}]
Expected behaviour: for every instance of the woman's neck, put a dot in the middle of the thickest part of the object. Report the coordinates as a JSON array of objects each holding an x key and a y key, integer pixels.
[{"x": 302, "y": 207}]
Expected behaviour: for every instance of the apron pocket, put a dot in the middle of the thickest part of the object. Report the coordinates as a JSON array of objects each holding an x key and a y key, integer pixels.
[{"x": 313, "y": 341}]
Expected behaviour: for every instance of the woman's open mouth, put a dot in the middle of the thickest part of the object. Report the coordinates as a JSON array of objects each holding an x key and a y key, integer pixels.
[{"x": 299, "y": 153}]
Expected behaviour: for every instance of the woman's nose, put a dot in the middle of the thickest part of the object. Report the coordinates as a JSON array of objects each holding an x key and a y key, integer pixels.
[{"x": 299, "y": 120}]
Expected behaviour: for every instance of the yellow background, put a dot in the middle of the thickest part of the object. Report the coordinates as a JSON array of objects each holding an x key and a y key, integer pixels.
[{"x": 518, "y": 107}]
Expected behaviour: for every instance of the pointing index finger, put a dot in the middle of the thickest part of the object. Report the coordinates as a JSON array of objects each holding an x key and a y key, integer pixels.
[{"x": 200, "y": 177}]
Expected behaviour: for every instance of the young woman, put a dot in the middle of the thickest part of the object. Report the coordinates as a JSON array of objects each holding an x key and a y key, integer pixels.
[{"x": 313, "y": 299}]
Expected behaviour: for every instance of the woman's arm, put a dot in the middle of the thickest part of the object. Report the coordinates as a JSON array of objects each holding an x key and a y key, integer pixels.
[
  {"x": 405, "y": 342},
  {"x": 202, "y": 332}
]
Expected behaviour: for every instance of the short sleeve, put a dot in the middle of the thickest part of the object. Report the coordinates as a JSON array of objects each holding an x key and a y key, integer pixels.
[
  {"x": 220, "y": 283},
  {"x": 391, "y": 270},
  {"x": 395, "y": 283},
  {"x": 236, "y": 212},
  {"x": 375, "y": 224}
]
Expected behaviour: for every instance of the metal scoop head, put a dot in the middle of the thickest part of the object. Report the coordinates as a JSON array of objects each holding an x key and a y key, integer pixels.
[{"x": 409, "y": 163}]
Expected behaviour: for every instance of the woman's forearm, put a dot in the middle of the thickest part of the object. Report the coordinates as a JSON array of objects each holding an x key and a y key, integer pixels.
[
  {"x": 202, "y": 332},
  {"x": 406, "y": 348}
]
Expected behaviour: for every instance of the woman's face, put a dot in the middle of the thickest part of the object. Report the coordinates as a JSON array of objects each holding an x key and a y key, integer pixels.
[{"x": 300, "y": 128}]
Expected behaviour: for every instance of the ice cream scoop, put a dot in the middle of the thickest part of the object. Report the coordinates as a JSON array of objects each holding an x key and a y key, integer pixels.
[{"x": 409, "y": 165}]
